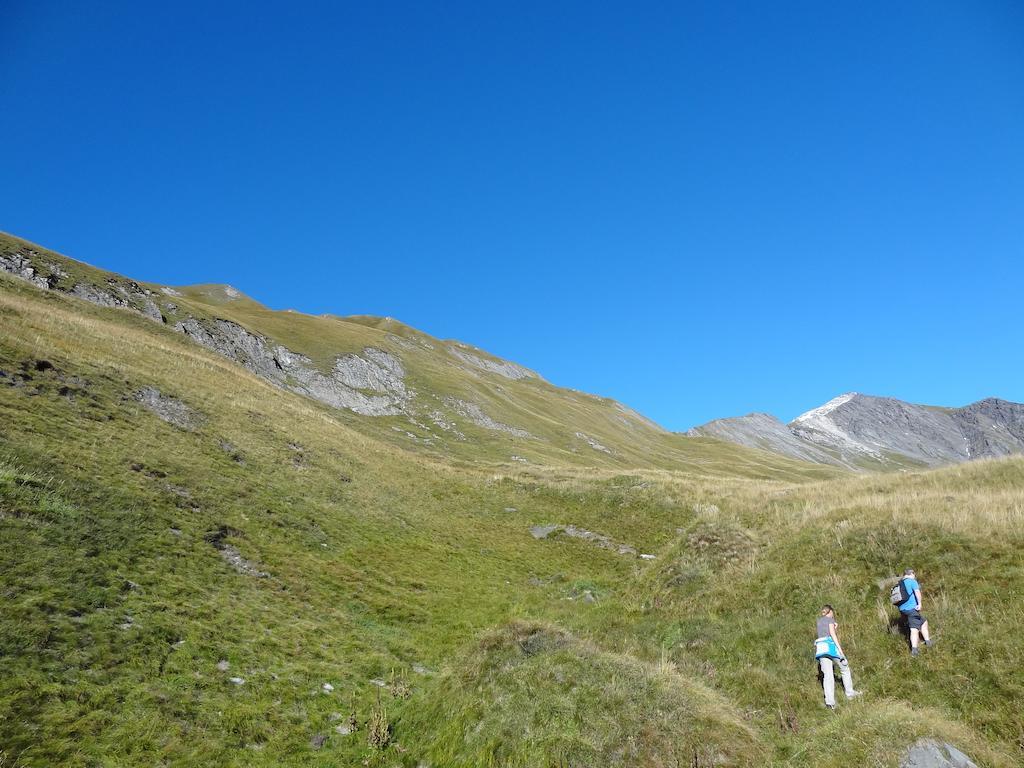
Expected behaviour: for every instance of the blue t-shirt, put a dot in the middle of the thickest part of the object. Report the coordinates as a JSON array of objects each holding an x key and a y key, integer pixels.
[{"x": 910, "y": 584}]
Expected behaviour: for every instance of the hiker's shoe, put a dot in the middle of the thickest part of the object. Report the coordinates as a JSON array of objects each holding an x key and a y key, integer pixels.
[
  {"x": 929, "y": 643},
  {"x": 914, "y": 651},
  {"x": 855, "y": 694},
  {"x": 830, "y": 707}
]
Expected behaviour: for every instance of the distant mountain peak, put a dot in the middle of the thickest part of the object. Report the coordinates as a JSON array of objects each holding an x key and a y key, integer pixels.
[{"x": 869, "y": 432}]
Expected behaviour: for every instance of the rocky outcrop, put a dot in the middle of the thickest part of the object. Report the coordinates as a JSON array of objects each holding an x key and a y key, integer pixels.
[
  {"x": 500, "y": 367},
  {"x": 371, "y": 384},
  {"x": 593, "y": 443},
  {"x": 574, "y": 532},
  {"x": 116, "y": 292},
  {"x": 475, "y": 414},
  {"x": 992, "y": 427},
  {"x": 861, "y": 430},
  {"x": 929, "y": 753},
  {"x": 170, "y": 409},
  {"x": 22, "y": 266}
]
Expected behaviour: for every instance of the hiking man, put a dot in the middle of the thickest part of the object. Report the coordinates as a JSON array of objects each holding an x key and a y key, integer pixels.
[
  {"x": 827, "y": 650},
  {"x": 911, "y": 610}
]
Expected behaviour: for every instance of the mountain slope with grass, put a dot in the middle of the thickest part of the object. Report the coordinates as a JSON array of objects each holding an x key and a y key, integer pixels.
[
  {"x": 443, "y": 398},
  {"x": 202, "y": 566}
]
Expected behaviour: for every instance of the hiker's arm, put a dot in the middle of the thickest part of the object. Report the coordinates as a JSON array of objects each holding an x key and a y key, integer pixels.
[{"x": 917, "y": 594}]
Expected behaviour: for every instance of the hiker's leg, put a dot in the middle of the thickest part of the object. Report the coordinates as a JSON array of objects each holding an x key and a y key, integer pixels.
[
  {"x": 844, "y": 669},
  {"x": 924, "y": 632},
  {"x": 828, "y": 681},
  {"x": 913, "y": 637}
]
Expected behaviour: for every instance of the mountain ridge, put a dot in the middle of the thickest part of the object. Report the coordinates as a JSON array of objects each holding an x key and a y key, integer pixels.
[{"x": 860, "y": 431}]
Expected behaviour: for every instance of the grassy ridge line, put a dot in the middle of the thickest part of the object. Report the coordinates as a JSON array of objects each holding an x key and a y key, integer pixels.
[{"x": 551, "y": 414}]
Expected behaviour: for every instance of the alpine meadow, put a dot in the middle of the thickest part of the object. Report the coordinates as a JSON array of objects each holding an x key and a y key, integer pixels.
[{"x": 243, "y": 537}]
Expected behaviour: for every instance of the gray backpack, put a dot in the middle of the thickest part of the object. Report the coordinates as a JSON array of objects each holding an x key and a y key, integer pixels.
[{"x": 899, "y": 594}]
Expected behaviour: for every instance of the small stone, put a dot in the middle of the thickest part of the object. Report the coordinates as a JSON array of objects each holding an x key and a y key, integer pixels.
[
  {"x": 344, "y": 729},
  {"x": 223, "y": 665},
  {"x": 378, "y": 682},
  {"x": 327, "y": 687},
  {"x": 318, "y": 740},
  {"x": 420, "y": 669},
  {"x": 647, "y": 557},
  {"x": 237, "y": 680},
  {"x": 511, "y": 509}
]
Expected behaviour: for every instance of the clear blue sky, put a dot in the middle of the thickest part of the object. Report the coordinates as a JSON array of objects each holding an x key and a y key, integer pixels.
[{"x": 701, "y": 209}]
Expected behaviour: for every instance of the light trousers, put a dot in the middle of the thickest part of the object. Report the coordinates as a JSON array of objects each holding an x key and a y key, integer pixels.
[{"x": 829, "y": 681}]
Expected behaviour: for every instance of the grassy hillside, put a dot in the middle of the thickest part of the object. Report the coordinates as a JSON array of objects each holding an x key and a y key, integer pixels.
[
  {"x": 180, "y": 593},
  {"x": 453, "y": 390}
]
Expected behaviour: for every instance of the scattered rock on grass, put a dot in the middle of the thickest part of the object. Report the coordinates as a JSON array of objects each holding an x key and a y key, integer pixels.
[
  {"x": 230, "y": 553},
  {"x": 605, "y": 542},
  {"x": 170, "y": 409},
  {"x": 928, "y": 753},
  {"x": 543, "y": 531},
  {"x": 318, "y": 740}
]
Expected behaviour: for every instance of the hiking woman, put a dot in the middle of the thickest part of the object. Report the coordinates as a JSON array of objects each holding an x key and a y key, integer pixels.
[{"x": 828, "y": 650}]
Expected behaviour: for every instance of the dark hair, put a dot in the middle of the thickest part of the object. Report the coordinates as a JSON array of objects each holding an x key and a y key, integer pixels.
[{"x": 829, "y": 608}]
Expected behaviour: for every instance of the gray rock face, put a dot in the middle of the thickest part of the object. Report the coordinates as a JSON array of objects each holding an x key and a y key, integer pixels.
[
  {"x": 500, "y": 367},
  {"x": 371, "y": 384},
  {"x": 762, "y": 430},
  {"x": 21, "y": 266},
  {"x": 876, "y": 426},
  {"x": 98, "y": 296},
  {"x": 475, "y": 414},
  {"x": 928, "y": 753},
  {"x": 855, "y": 424},
  {"x": 992, "y": 427},
  {"x": 119, "y": 293},
  {"x": 854, "y": 430}
]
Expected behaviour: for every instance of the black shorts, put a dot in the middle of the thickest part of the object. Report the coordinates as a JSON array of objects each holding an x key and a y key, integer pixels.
[{"x": 914, "y": 619}]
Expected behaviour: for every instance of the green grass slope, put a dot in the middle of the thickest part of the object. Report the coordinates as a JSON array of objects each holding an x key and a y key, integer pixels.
[{"x": 270, "y": 582}]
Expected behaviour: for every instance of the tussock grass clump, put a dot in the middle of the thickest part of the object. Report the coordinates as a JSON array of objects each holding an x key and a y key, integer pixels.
[{"x": 531, "y": 694}]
